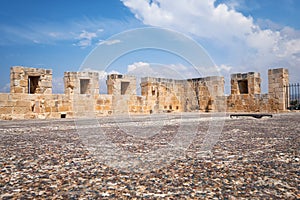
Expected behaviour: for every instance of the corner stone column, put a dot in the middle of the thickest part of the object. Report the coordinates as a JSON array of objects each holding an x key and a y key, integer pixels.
[{"x": 278, "y": 79}]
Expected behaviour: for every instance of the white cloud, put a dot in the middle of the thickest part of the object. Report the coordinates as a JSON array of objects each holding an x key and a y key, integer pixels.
[
  {"x": 109, "y": 42},
  {"x": 239, "y": 39},
  {"x": 103, "y": 74},
  {"x": 85, "y": 38},
  {"x": 137, "y": 65},
  {"x": 225, "y": 68},
  {"x": 87, "y": 35}
]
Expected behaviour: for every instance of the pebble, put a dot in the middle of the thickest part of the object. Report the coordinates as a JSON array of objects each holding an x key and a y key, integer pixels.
[{"x": 253, "y": 159}]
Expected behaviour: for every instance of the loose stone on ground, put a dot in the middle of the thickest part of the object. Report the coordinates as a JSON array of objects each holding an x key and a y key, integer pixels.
[{"x": 253, "y": 159}]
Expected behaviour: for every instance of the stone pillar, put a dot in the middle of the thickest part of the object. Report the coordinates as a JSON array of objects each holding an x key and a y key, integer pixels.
[
  {"x": 278, "y": 79},
  {"x": 30, "y": 80},
  {"x": 82, "y": 89},
  {"x": 123, "y": 89},
  {"x": 215, "y": 86},
  {"x": 205, "y": 90},
  {"x": 76, "y": 83},
  {"x": 245, "y": 83},
  {"x": 121, "y": 84}
]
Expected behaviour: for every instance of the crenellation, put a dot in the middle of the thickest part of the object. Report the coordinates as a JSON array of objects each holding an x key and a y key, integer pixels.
[
  {"x": 31, "y": 94},
  {"x": 246, "y": 92},
  {"x": 30, "y": 80}
]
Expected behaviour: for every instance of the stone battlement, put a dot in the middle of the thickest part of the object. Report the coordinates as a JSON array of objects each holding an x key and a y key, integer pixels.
[{"x": 31, "y": 94}]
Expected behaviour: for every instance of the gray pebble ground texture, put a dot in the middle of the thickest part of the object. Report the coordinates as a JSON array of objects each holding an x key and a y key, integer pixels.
[{"x": 253, "y": 159}]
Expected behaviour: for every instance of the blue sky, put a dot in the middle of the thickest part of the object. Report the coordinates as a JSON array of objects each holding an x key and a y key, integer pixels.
[{"x": 239, "y": 35}]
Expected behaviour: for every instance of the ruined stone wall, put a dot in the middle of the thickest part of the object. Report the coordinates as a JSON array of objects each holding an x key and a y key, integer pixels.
[
  {"x": 163, "y": 95},
  {"x": 278, "y": 79},
  {"x": 30, "y": 80},
  {"x": 77, "y": 83},
  {"x": 42, "y": 106},
  {"x": 123, "y": 91},
  {"x": 31, "y": 96},
  {"x": 121, "y": 84},
  {"x": 206, "y": 90},
  {"x": 82, "y": 89},
  {"x": 139, "y": 105},
  {"x": 246, "y": 92},
  {"x": 248, "y": 103},
  {"x": 168, "y": 95},
  {"x": 103, "y": 105},
  {"x": 245, "y": 83}
]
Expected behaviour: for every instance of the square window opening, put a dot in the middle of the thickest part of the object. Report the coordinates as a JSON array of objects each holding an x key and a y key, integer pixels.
[
  {"x": 243, "y": 86},
  {"x": 124, "y": 87},
  {"x": 33, "y": 84},
  {"x": 84, "y": 86}
]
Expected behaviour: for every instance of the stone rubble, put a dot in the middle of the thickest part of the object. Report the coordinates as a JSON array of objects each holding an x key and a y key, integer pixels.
[{"x": 253, "y": 159}]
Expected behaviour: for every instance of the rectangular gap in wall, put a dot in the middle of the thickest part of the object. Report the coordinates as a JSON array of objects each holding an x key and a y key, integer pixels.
[
  {"x": 153, "y": 92},
  {"x": 243, "y": 86},
  {"x": 124, "y": 87},
  {"x": 84, "y": 86},
  {"x": 33, "y": 84}
]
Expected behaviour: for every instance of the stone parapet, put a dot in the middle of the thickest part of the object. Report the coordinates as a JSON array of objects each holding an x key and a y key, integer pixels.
[
  {"x": 81, "y": 83},
  {"x": 30, "y": 80},
  {"x": 245, "y": 83},
  {"x": 31, "y": 94}
]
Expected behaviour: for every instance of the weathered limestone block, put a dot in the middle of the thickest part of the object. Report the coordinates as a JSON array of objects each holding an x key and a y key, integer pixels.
[
  {"x": 63, "y": 108},
  {"x": 19, "y": 90},
  {"x": 6, "y": 110},
  {"x": 23, "y": 103},
  {"x": 22, "y": 83},
  {"x": 100, "y": 101},
  {"x": 21, "y": 110}
]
